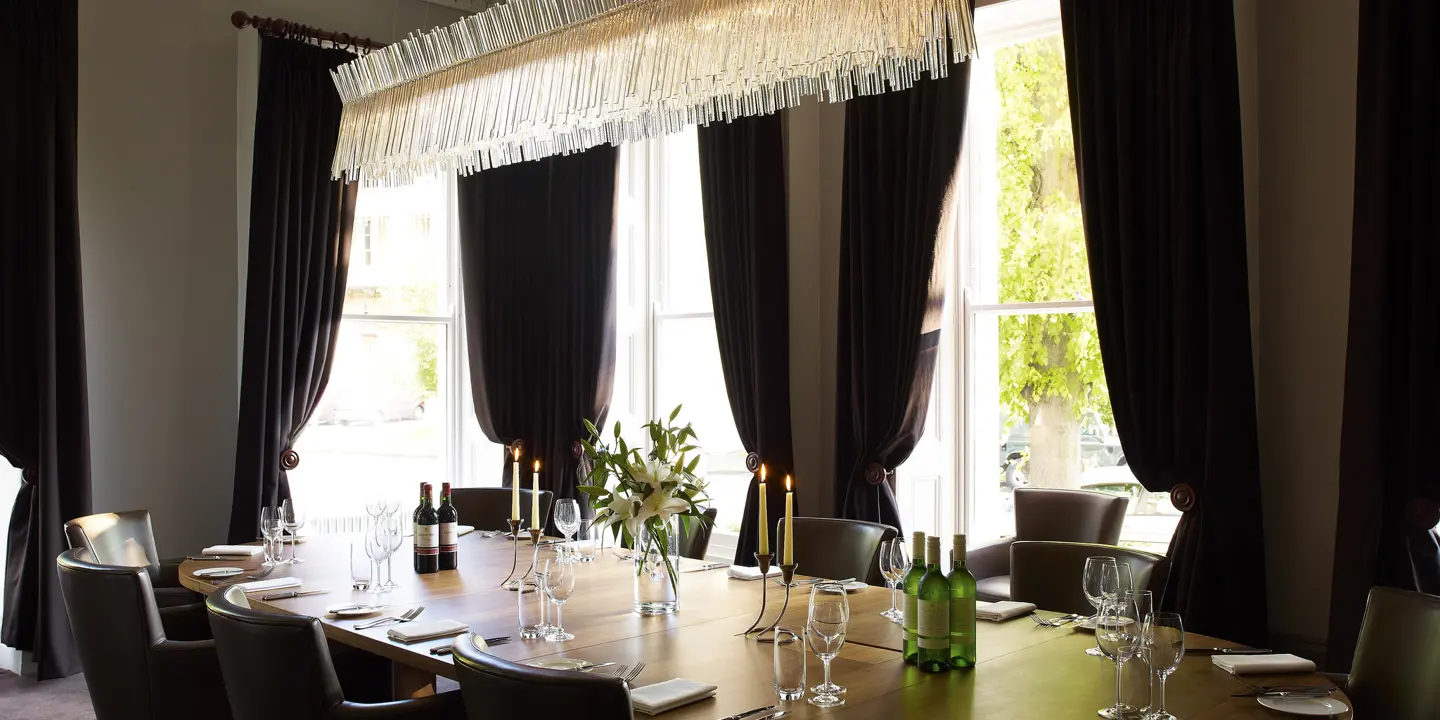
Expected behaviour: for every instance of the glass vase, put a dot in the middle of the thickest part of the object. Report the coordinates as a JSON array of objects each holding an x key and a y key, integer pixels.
[{"x": 656, "y": 582}]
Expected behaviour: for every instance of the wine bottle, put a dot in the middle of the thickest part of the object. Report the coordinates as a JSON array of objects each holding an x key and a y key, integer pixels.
[
  {"x": 933, "y": 613},
  {"x": 962, "y": 608},
  {"x": 449, "y": 541},
  {"x": 912, "y": 594},
  {"x": 427, "y": 535}
]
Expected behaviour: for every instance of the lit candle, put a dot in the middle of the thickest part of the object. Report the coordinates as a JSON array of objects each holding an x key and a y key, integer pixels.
[
  {"x": 764, "y": 522},
  {"x": 535, "y": 497},
  {"x": 515, "y": 486},
  {"x": 789, "y": 523}
]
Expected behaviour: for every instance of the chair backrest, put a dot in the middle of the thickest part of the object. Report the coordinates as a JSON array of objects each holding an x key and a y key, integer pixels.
[
  {"x": 1051, "y": 574},
  {"x": 123, "y": 539},
  {"x": 489, "y": 508},
  {"x": 836, "y": 549},
  {"x": 499, "y": 689},
  {"x": 1069, "y": 515},
  {"x": 1394, "y": 672},
  {"x": 115, "y": 623},
  {"x": 273, "y": 661},
  {"x": 694, "y": 544}
]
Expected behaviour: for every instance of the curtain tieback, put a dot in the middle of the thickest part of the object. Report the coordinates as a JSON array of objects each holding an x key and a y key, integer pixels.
[
  {"x": 28, "y": 473},
  {"x": 1184, "y": 497},
  {"x": 752, "y": 462},
  {"x": 876, "y": 474},
  {"x": 1422, "y": 514},
  {"x": 289, "y": 460},
  {"x": 577, "y": 450}
]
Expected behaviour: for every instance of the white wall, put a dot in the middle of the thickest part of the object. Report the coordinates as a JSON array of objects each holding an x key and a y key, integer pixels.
[{"x": 158, "y": 208}]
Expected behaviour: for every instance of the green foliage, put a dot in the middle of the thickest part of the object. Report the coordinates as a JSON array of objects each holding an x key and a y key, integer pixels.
[{"x": 1042, "y": 238}]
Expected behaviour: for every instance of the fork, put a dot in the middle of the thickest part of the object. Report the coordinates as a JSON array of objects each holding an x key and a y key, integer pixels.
[
  {"x": 633, "y": 673},
  {"x": 407, "y": 617},
  {"x": 1054, "y": 622},
  {"x": 247, "y": 578}
]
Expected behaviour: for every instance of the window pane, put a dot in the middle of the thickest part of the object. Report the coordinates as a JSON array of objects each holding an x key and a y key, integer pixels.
[
  {"x": 380, "y": 428},
  {"x": 398, "y": 252},
  {"x": 685, "y": 278}
]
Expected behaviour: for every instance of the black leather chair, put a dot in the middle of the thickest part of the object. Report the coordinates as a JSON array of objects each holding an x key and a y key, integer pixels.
[
  {"x": 497, "y": 689},
  {"x": 278, "y": 666},
  {"x": 1393, "y": 672},
  {"x": 837, "y": 549},
  {"x": 1080, "y": 516},
  {"x": 695, "y": 543},
  {"x": 1051, "y": 574},
  {"x": 128, "y": 539},
  {"x": 489, "y": 508},
  {"x": 132, "y": 669}
]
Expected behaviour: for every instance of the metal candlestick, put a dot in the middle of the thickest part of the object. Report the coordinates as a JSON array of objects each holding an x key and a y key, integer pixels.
[
  {"x": 763, "y": 561},
  {"x": 787, "y": 577},
  {"x": 514, "y": 555},
  {"x": 535, "y": 536}
]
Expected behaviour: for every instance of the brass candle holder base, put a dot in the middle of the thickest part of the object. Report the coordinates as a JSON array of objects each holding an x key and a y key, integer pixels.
[
  {"x": 763, "y": 562},
  {"x": 535, "y": 534},
  {"x": 507, "y": 583},
  {"x": 787, "y": 578}
]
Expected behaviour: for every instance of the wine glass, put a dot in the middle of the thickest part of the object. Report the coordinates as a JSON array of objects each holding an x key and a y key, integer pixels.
[
  {"x": 567, "y": 517},
  {"x": 1118, "y": 633},
  {"x": 1165, "y": 644},
  {"x": 1135, "y": 698},
  {"x": 269, "y": 521},
  {"x": 389, "y": 535},
  {"x": 825, "y": 629},
  {"x": 893, "y": 565},
  {"x": 1101, "y": 579},
  {"x": 558, "y": 582},
  {"x": 374, "y": 508},
  {"x": 375, "y": 549},
  {"x": 293, "y": 519}
]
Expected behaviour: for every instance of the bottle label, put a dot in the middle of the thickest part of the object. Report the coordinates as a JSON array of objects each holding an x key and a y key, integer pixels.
[
  {"x": 426, "y": 540},
  {"x": 934, "y": 625},
  {"x": 448, "y": 542},
  {"x": 910, "y": 616}
]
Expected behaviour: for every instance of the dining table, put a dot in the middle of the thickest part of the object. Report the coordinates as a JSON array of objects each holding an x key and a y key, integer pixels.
[{"x": 1024, "y": 671}]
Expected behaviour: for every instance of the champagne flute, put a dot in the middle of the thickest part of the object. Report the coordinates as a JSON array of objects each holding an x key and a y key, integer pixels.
[
  {"x": 558, "y": 582},
  {"x": 825, "y": 629},
  {"x": 1165, "y": 643},
  {"x": 1118, "y": 633},
  {"x": 1100, "y": 580},
  {"x": 293, "y": 519}
]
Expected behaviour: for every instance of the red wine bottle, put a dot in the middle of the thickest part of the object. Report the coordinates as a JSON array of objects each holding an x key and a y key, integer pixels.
[
  {"x": 427, "y": 534},
  {"x": 449, "y": 540}
]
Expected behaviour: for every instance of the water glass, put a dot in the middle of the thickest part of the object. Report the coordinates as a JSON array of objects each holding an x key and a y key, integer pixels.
[
  {"x": 789, "y": 665},
  {"x": 1100, "y": 580},
  {"x": 558, "y": 582},
  {"x": 531, "y": 604},
  {"x": 825, "y": 628},
  {"x": 586, "y": 540},
  {"x": 1164, "y": 648}
]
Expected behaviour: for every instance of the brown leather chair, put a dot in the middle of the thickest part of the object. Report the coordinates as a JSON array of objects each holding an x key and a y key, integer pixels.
[
  {"x": 279, "y": 666},
  {"x": 1051, "y": 574},
  {"x": 1393, "y": 673},
  {"x": 1079, "y": 516},
  {"x": 696, "y": 543},
  {"x": 132, "y": 669},
  {"x": 489, "y": 508},
  {"x": 837, "y": 549},
  {"x": 127, "y": 539},
  {"x": 497, "y": 689}
]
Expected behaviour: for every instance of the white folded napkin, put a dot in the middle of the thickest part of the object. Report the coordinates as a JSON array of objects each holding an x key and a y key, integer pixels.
[
  {"x": 413, "y": 633},
  {"x": 270, "y": 584},
  {"x": 239, "y": 550},
  {"x": 746, "y": 572},
  {"x": 1004, "y": 610},
  {"x": 1262, "y": 664},
  {"x": 461, "y": 530},
  {"x": 665, "y": 696}
]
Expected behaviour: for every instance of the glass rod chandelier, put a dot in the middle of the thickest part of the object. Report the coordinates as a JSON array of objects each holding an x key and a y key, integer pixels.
[{"x": 533, "y": 78}]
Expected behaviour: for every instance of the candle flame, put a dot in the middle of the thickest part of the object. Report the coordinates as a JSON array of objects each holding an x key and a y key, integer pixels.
[
  {"x": 537, "y": 466},
  {"x": 762, "y": 472},
  {"x": 515, "y": 452},
  {"x": 787, "y": 483}
]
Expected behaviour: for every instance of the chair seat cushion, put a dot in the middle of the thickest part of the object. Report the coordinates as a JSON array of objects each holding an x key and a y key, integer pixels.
[{"x": 993, "y": 589}]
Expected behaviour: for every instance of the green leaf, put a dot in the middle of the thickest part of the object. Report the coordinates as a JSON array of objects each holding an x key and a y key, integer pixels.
[{"x": 675, "y": 413}]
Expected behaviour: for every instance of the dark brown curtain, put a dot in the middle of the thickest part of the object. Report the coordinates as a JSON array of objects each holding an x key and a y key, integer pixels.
[
  {"x": 901, "y": 153},
  {"x": 1154, "y": 102},
  {"x": 1389, "y": 486},
  {"x": 300, "y": 226},
  {"x": 742, "y": 185},
  {"x": 44, "y": 414},
  {"x": 537, "y": 257}
]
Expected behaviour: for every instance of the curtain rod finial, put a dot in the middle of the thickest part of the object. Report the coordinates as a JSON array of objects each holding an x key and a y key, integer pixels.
[{"x": 239, "y": 18}]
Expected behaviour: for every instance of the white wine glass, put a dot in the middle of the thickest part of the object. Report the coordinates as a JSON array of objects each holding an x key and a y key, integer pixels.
[
  {"x": 269, "y": 520},
  {"x": 1100, "y": 581},
  {"x": 558, "y": 582},
  {"x": 567, "y": 517},
  {"x": 1165, "y": 645},
  {"x": 1135, "y": 696},
  {"x": 1118, "y": 633},
  {"x": 894, "y": 564},
  {"x": 375, "y": 550},
  {"x": 293, "y": 518},
  {"x": 825, "y": 630}
]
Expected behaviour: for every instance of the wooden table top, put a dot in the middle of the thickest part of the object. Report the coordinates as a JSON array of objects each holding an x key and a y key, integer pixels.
[{"x": 1025, "y": 672}]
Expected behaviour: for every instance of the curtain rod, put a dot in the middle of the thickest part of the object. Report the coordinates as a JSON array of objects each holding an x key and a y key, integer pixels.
[{"x": 277, "y": 26}]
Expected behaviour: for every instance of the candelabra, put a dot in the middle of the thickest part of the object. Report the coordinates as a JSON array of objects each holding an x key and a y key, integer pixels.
[
  {"x": 787, "y": 577},
  {"x": 514, "y": 557}
]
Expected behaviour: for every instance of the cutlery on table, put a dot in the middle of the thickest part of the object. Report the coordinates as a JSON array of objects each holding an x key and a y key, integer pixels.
[
  {"x": 292, "y": 594},
  {"x": 1227, "y": 651},
  {"x": 774, "y": 715},
  {"x": 247, "y": 578},
  {"x": 592, "y": 666},
  {"x": 710, "y": 566},
  {"x": 409, "y": 615},
  {"x": 214, "y": 558},
  {"x": 1055, "y": 622},
  {"x": 748, "y": 713},
  {"x": 634, "y": 672},
  {"x": 440, "y": 650},
  {"x": 1315, "y": 693}
]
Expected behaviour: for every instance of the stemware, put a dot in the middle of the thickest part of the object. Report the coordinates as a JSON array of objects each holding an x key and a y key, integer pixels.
[
  {"x": 1165, "y": 647},
  {"x": 558, "y": 582},
  {"x": 382, "y": 542},
  {"x": 1135, "y": 682},
  {"x": 567, "y": 517},
  {"x": 1100, "y": 580},
  {"x": 293, "y": 519},
  {"x": 825, "y": 628},
  {"x": 269, "y": 521},
  {"x": 893, "y": 566},
  {"x": 1118, "y": 633}
]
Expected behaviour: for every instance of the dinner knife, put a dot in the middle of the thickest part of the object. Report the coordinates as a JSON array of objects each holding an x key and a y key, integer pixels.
[
  {"x": 774, "y": 715},
  {"x": 292, "y": 594},
  {"x": 748, "y": 713},
  {"x": 1227, "y": 651},
  {"x": 711, "y": 566}
]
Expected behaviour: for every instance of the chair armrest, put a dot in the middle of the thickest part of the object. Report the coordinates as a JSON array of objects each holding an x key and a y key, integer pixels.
[
  {"x": 1341, "y": 680},
  {"x": 185, "y": 622},
  {"x": 443, "y": 706},
  {"x": 168, "y": 575},
  {"x": 989, "y": 560},
  {"x": 175, "y": 596},
  {"x": 186, "y": 673}
]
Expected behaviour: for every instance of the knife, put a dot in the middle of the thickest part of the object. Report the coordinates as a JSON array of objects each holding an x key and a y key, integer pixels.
[
  {"x": 214, "y": 557},
  {"x": 292, "y": 594},
  {"x": 748, "y": 713},
  {"x": 1228, "y": 651},
  {"x": 711, "y": 566},
  {"x": 774, "y": 716}
]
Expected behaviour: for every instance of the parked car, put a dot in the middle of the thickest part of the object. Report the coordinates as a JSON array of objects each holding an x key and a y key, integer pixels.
[
  {"x": 347, "y": 406},
  {"x": 1099, "y": 445}
]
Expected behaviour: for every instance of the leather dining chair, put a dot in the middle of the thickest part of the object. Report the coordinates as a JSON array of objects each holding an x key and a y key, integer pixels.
[
  {"x": 1081, "y": 516},
  {"x": 489, "y": 508},
  {"x": 1051, "y": 574},
  {"x": 497, "y": 689},
  {"x": 132, "y": 669},
  {"x": 1393, "y": 672},
  {"x": 278, "y": 665},
  {"x": 128, "y": 539},
  {"x": 696, "y": 543},
  {"x": 836, "y": 549}
]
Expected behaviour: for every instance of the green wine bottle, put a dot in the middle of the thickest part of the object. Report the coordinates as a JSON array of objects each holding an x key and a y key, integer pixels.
[
  {"x": 933, "y": 626},
  {"x": 962, "y": 608},
  {"x": 912, "y": 594}
]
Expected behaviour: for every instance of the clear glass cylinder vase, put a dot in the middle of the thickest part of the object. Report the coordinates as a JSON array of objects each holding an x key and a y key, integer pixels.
[{"x": 656, "y": 580}]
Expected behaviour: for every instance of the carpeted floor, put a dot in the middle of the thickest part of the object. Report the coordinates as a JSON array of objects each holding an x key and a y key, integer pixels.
[{"x": 25, "y": 699}]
